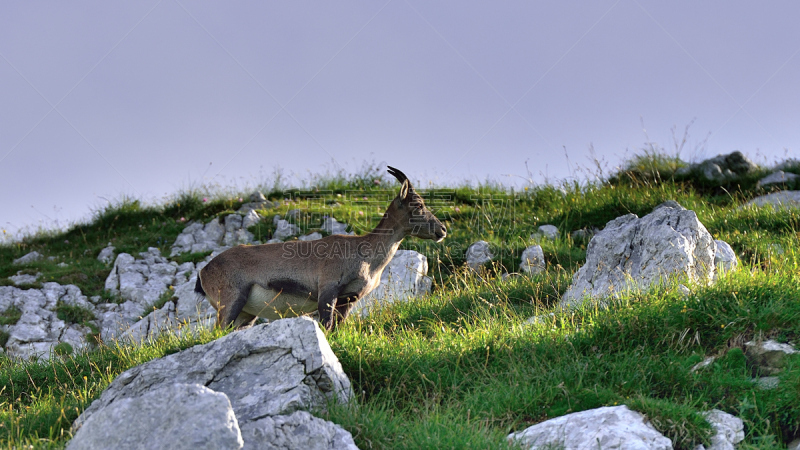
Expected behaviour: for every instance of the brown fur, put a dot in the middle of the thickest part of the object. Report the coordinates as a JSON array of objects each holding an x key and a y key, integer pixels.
[{"x": 286, "y": 279}]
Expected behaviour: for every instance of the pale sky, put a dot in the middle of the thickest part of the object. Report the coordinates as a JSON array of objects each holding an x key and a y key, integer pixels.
[{"x": 104, "y": 99}]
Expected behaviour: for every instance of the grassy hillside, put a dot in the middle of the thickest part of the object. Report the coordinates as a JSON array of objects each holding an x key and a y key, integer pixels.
[{"x": 461, "y": 368}]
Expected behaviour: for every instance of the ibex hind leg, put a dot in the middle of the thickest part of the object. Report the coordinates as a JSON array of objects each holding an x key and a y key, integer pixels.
[
  {"x": 245, "y": 320},
  {"x": 231, "y": 303}
]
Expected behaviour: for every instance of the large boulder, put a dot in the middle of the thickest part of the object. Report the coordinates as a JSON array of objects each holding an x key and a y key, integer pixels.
[
  {"x": 610, "y": 427},
  {"x": 634, "y": 254},
  {"x": 404, "y": 278},
  {"x": 174, "y": 416},
  {"x": 267, "y": 370}
]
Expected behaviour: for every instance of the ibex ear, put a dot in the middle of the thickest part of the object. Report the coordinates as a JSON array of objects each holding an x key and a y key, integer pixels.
[{"x": 404, "y": 190}]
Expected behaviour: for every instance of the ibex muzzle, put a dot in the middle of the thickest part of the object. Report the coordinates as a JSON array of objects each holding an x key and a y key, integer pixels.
[{"x": 327, "y": 275}]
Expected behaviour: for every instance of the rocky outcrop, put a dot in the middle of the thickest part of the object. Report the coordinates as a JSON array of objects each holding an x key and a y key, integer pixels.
[
  {"x": 22, "y": 278},
  {"x": 722, "y": 167},
  {"x": 331, "y": 226},
  {"x": 633, "y": 253},
  {"x": 268, "y": 370},
  {"x": 404, "y": 278},
  {"x": 611, "y": 427},
  {"x": 478, "y": 254},
  {"x": 39, "y": 329},
  {"x": 106, "y": 255},
  {"x": 215, "y": 236},
  {"x": 174, "y": 416}
]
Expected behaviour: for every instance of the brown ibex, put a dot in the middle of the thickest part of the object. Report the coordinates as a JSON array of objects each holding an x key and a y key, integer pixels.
[{"x": 327, "y": 275}]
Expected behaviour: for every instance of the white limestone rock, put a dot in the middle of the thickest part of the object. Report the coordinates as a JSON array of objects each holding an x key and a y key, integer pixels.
[
  {"x": 152, "y": 325},
  {"x": 778, "y": 177},
  {"x": 310, "y": 237},
  {"x": 728, "y": 430},
  {"x": 547, "y": 232},
  {"x": 142, "y": 281},
  {"x": 250, "y": 219},
  {"x": 332, "y": 226},
  {"x": 532, "y": 260},
  {"x": 27, "y": 259},
  {"x": 783, "y": 199},
  {"x": 299, "y": 430},
  {"x": 106, "y": 255},
  {"x": 403, "y": 278},
  {"x": 284, "y": 229},
  {"x": 174, "y": 416},
  {"x": 267, "y": 370},
  {"x": 725, "y": 258},
  {"x": 478, "y": 254},
  {"x": 769, "y": 355},
  {"x": 633, "y": 254},
  {"x": 21, "y": 278},
  {"x": 610, "y": 427}
]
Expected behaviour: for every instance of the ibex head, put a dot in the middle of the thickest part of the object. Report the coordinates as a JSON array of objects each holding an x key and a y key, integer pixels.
[{"x": 409, "y": 211}]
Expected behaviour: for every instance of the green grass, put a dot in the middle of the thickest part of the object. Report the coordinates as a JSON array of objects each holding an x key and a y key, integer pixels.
[{"x": 463, "y": 367}]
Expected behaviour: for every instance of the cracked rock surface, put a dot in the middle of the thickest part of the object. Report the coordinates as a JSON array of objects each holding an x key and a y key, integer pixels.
[
  {"x": 635, "y": 253},
  {"x": 300, "y": 430},
  {"x": 267, "y": 370},
  {"x": 174, "y": 416}
]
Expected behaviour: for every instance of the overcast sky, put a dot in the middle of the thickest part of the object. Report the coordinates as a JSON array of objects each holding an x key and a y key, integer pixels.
[{"x": 105, "y": 99}]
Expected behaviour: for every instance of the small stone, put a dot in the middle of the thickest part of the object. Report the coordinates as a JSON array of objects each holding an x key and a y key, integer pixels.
[
  {"x": 478, "y": 254},
  {"x": 767, "y": 383},
  {"x": 779, "y": 177},
  {"x": 728, "y": 429},
  {"x": 20, "y": 278},
  {"x": 705, "y": 363},
  {"x": 310, "y": 237},
  {"x": 257, "y": 197},
  {"x": 27, "y": 259},
  {"x": 532, "y": 260},
  {"x": 769, "y": 355},
  {"x": 106, "y": 255},
  {"x": 783, "y": 199}
]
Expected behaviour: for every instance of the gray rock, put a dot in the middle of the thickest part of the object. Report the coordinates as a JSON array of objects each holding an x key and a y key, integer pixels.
[
  {"x": 768, "y": 355},
  {"x": 546, "y": 231},
  {"x": 634, "y": 254},
  {"x": 725, "y": 167},
  {"x": 300, "y": 430},
  {"x": 250, "y": 219},
  {"x": 142, "y": 281},
  {"x": 402, "y": 279},
  {"x": 478, "y": 254},
  {"x": 21, "y": 278},
  {"x": 174, "y": 416},
  {"x": 532, "y": 260},
  {"x": 728, "y": 430},
  {"x": 267, "y": 370},
  {"x": 767, "y": 383},
  {"x": 331, "y": 226},
  {"x": 794, "y": 445},
  {"x": 783, "y": 199},
  {"x": 584, "y": 234},
  {"x": 779, "y": 177},
  {"x": 257, "y": 197},
  {"x": 725, "y": 258},
  {"x": 310, "y": 237},
  {"x": 252, "y": 206},
  {"x": 106, "y": 255},
  {"x": 27, "y": 259},
  {"x": 152, "y": 325},
  {"x": 285, "y": 229},
  {"x": 610, "y": 427},
  {"x": 670, "y": 204}
]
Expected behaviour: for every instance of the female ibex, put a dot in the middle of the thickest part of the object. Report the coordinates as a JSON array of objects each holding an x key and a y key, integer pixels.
[{"x": 326, "y": 275}]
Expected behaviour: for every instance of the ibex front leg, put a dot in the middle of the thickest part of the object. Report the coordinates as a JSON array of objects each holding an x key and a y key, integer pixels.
[{"x": 326, "y": 305}]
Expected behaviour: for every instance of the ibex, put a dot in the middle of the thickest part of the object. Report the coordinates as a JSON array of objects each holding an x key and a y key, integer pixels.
[{"x": 327, "y": 275}]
